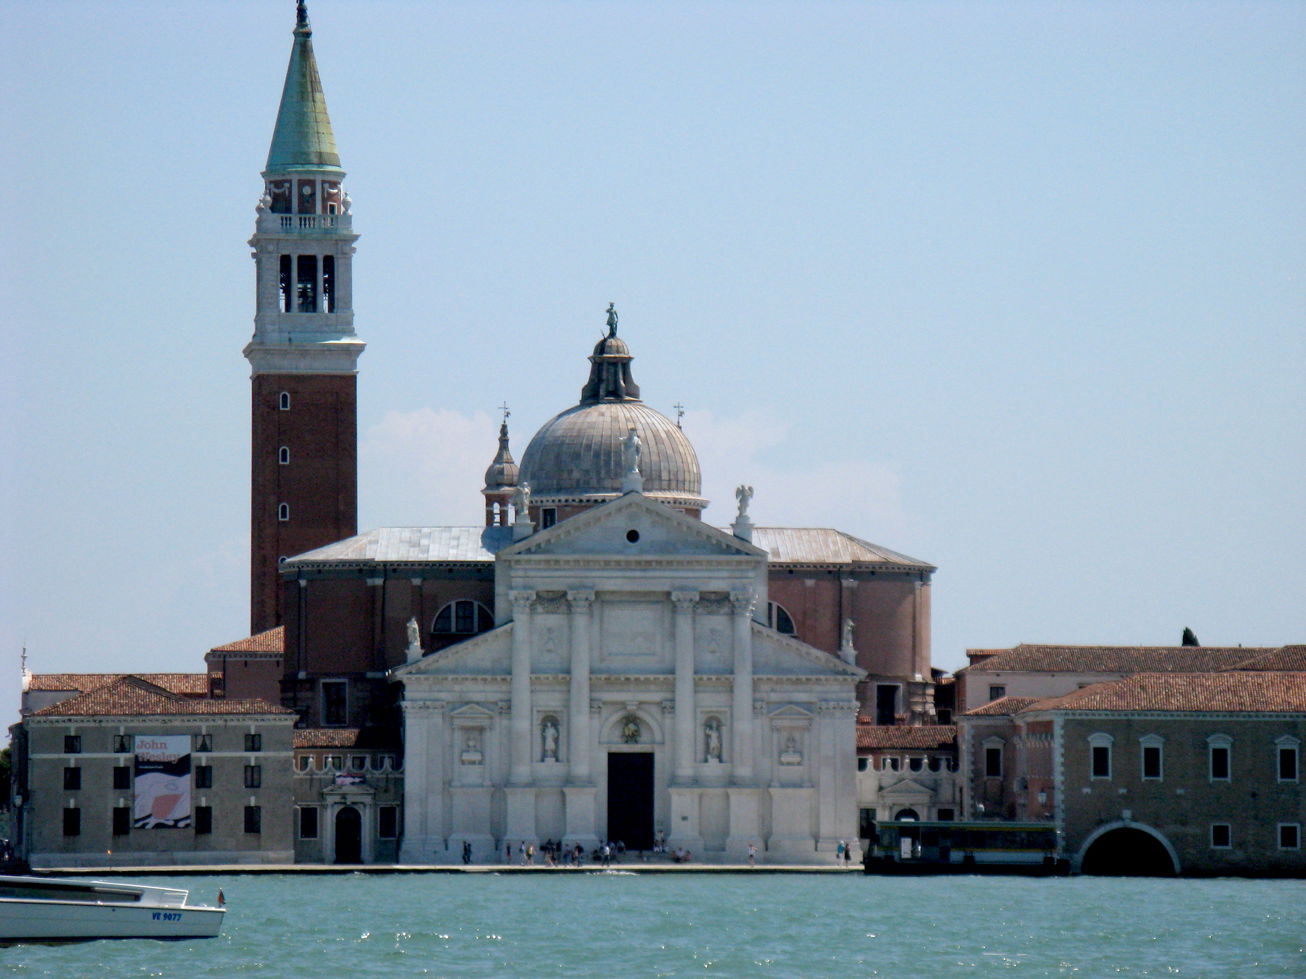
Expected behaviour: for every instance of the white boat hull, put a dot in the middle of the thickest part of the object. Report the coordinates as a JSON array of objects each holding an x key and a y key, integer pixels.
[{"x": 47, "y": 910}]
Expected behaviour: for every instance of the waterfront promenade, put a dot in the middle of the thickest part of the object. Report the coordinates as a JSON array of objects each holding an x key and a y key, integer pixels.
[{"x": 630, "y": 866}]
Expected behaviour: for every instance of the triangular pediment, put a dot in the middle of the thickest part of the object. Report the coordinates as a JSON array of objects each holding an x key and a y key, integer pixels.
[
  {"x": 775, "y": 654},
  {"x": 489, "y": 654},
  {"x": 631, "y": 527},
  {"x": 908, "y": 790},
  {"x": 791, "y": 712},
  {"x": 472, "y": 712}
]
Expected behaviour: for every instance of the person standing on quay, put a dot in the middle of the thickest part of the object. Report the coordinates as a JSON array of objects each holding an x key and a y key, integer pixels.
[
  {"x": 507, "y": 851},
  {"x": 467, "y": 852},
  {"x": 752, "y": 854}
]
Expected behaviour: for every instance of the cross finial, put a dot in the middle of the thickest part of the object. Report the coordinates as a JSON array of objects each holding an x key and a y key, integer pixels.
[
  {"x": 506, "y": 413},
  {"x": 680, "y": 414}
]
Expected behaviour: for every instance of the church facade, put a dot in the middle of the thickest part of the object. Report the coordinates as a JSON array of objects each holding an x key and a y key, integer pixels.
[{"x": 596, "y": 661}]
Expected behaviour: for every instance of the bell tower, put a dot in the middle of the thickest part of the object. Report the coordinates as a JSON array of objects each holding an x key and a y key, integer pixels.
[{"x": 304, "y": 353}]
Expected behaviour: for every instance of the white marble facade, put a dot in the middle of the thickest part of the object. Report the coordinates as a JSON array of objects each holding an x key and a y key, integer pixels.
[{"x": 630, "y": 629}]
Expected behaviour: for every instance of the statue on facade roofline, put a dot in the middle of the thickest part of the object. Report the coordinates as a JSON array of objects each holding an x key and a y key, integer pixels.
[
  {"x": 521, "y": 500},
  {"x": 414, "y": 634},
  {"x": 630, "y": 448},
  {"x": 744, "y": 494},
  {"x": 612, "y": 319}
]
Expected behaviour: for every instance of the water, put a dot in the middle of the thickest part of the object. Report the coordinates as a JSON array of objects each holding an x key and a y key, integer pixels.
[{"x": 583, "y": 924}]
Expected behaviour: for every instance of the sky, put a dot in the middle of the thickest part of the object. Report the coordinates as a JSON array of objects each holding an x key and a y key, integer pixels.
[{"x": 1013, "y": 288}]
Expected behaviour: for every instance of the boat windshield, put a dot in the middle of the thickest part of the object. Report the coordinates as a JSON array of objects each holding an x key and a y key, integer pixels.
[{"x": 41, "y": 890}]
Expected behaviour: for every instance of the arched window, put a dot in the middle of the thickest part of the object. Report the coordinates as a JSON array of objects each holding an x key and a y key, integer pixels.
[
  {"x": 283, "y": 511},
  {"x": 284, "y": 401},
  {"x": 283, "y": 455},
  {"x": 779, "y": 619},
  {"x": 903, "y": 814},
  {"x": 462, "y": 618}
]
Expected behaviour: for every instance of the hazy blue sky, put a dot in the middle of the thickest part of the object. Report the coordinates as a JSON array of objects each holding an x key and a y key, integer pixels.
[{"x": 1013, "y": 288}]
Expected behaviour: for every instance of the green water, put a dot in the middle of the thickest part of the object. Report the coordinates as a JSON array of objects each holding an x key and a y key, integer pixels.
[{"x": 583, "y": 924}]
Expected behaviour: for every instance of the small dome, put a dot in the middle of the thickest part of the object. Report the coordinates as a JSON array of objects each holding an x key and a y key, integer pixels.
[
  {"x": 502, "y": 474},
  {"x": 611, "y": 346},
  {"x": 577, "y": 455}
]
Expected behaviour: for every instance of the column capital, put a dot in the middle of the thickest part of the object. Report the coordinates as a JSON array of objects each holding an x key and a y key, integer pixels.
[
  {"x": 668, "y": 707},
  {"x": 581, "y": 599},
  {"x": 743, "y": 602},
  {"x": 522, "y": 599},
  {"x": 684, "y": 600}
]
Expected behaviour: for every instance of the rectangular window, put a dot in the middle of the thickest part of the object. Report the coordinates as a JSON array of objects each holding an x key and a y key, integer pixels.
[
  {"x": 1219, "y": 763},
  {"x": 72, "y": 779},
  {"x": 336, "y": 762},
  {"x": 253, "y": 776},
  {"x": 358, "y": 763},
  {"x": 122, "y": 777},
  {"x": 328, "y": 283},
  {"x": 1101, "y": 761},
  {"x": 203, "y": 776},
  {"x": 1287, "y": 763},
  {"x": 1290, "y": 836},
  {"x": 886, "y": 703},
  {"x": 866, "y": 824},
  {"x": 306, "y": 284},
  {"x": 863, "y": 764},
  {"x": 993, "y": 762},
  {"x": 122, "y": 744},
  {"x": 308, "y": 822},
  {"x": 335, "y": 707},
  {"x": 945, "y": 715},
  {"x": 1151, "y": 761},
  {"x": 253, "y": 819},
  {"x": 122, "y": 820},
  {"x": 203, "y": 742},
  {"x": 303, "y": 762},
  {"x": 548, "y": 517},
  {"x": 997, "y": 692},
  {"x": 1221, "y": 836},
  {"x": 947, "y": 815},
  {"x": 72, "y": 744},
  {"x": 253, "y": 742},
  {"x": 283, "y": 293},
  {"x": 387, "y": 822},
  {"x": 72, "y": 822},
  {"x": 203, "y": 820}
]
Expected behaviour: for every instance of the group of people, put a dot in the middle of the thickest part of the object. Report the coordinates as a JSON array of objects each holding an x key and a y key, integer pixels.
[{"x": 556, "y": 854}]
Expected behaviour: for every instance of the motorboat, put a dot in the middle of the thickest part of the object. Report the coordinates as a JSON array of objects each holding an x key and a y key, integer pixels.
[{"x": 49, "y": 909}]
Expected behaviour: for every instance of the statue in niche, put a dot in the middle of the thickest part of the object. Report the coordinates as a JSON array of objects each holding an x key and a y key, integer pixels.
[
  {"x": 744, "y": 494},
  {"x": 549, "y": 738},
  {"x": 472, "y": 749},
  {"x": 630, "y": 449},
  {"x": 712, "y": 738},
  {"x": 630, "y": 732},
  {"x": 791, "y": 755}
]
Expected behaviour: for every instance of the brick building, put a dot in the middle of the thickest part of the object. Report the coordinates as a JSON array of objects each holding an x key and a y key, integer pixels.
[
  {"x": 121, "y": 770},
  {"x": 1177, "y": 772}
]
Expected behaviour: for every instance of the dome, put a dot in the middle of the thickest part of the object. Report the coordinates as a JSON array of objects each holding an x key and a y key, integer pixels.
[
  {"x": 577, "y": 455},
  {"x": 502, "y": 473}
]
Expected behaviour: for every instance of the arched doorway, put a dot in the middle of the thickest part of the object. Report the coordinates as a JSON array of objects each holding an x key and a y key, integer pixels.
[
  {"x": 1127, "y": 852},
  {"x": 349, "y": 836},
  {"x": 907, "y": 814}
]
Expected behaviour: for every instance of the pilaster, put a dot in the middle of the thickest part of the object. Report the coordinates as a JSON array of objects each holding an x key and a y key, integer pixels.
[{"x": 685, "y": 709}]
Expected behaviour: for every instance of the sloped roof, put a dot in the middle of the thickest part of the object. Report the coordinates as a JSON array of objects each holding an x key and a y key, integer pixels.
[
  {"x": 873, "y": 736},
  {"x": 1115, "y": 659},
  {"x": 1003, "y": 706},
  {"x": 1258, "y": 692},
  {"x": 822, "y": 545},
  {"x": 185, "y": 684},
  {"x": 1283, "y": 658},
  {"x": 271, "y": 641},
  {"x": 416, "y": 544},
  {"x": 132, "y": 696},
  {"x": 303, "y": 137},
  {"x": 325, "y": 737}
]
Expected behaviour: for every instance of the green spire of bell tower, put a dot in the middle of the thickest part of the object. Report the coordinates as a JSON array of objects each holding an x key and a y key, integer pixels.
[{"x": 303, "y": 139}]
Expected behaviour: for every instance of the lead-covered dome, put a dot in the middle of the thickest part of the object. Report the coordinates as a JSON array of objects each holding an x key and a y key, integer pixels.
[{"x": 577, "y": 457}]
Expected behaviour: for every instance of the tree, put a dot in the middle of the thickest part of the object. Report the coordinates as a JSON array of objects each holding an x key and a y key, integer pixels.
[{"x": 1190, "y": 638}]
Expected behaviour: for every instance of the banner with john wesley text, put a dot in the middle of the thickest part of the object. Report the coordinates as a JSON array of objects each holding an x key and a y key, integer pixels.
[{"x": 162, "y": 782}]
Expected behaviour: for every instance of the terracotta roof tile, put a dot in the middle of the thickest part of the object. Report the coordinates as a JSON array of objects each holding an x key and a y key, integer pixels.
[
  {"x": 186, "y": 684},
  {"x": 1284, "y": 658},
  {"x": 325, "y": 737},
  {"x": 271, "y": 641},
  {"x": 873, "y": 736},
  {"x": 1259, "y": 692},
  {"x": 132, "y": 696},
  {"x": 1115, "y": 659},
  {"x": 1002, "y": 707}
]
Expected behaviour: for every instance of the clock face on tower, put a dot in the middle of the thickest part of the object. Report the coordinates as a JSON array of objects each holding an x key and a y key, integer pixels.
[{"x": 307, "y": 196}]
